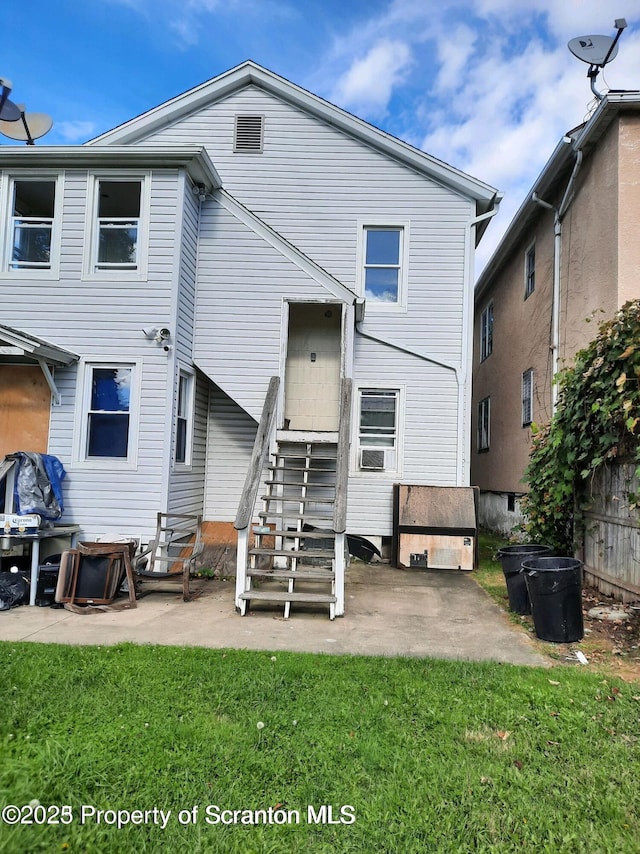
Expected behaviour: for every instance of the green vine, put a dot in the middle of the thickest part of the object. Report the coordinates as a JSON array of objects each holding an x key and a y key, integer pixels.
[{"x": 597, "y": 420}]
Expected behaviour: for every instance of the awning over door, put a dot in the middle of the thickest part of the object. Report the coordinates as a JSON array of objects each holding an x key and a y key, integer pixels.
[{"x": 18, "y": 347}]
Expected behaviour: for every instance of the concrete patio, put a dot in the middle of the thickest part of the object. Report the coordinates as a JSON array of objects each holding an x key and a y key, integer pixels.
[{"x": 439, "y": 614}]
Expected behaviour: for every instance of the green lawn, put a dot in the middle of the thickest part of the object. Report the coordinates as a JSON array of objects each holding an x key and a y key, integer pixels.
[{"x": 429, "y": 756}]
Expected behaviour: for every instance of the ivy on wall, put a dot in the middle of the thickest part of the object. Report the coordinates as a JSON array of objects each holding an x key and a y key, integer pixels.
[{"x": 597, "y": 421}]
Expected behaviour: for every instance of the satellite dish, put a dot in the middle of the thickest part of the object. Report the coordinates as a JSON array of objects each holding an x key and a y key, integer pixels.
[
  {"x": 9, "y": 112},
  {"x": 595, "y": 50},
  {"x": 15, "y": 123},
  {"x": 32, "y": 126}
]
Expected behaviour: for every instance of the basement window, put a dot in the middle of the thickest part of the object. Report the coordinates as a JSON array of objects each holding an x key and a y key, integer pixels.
[{"x": 248, "y": 134}]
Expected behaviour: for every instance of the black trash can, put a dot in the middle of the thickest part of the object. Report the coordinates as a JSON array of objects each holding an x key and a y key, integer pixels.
[
  {"x": 554, "y": 585},
  {"x": 511, "y": 558}
]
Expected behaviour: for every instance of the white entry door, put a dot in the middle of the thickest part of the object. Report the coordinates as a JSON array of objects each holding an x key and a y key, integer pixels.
[{"x": 312, "y": 370}]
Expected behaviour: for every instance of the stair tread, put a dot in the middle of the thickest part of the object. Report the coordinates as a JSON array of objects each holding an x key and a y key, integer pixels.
[
  {"x": 309, "y": 535},
  {"x": 299, "y": 574},
  {"x": 265, "y": 514},
  {"x": 299, "y": 483},
  {"x": 295, "y": 455},
  {"x": 300, "y": 499},
  {"x": 273, "y": 596},
  {"x": 292, "y": 552},
  {"x": 301, "y": 468}
]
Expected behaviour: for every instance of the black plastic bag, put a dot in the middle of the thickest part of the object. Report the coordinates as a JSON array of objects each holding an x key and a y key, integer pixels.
[{"x": 14, "y": 590}]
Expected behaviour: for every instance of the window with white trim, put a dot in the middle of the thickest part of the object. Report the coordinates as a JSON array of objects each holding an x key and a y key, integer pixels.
[
  {"x": 384, "y": 265},
  {"x": 486, "y": 332},
  {"x": 527, "y": 398},
  {"x": 118, "y": 223},
  {"x": 33, "y": 216},
  {"x": 184, "y": 408},
  {"x": 484, "y": 424},
  {"x": 530, "y": 271},
  {"x": 378, "y": 429},
  {"x": 107, "y": 433}
]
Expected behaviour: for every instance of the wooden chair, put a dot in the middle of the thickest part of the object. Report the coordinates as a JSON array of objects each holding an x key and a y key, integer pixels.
[{"x": 171, "y": 555}]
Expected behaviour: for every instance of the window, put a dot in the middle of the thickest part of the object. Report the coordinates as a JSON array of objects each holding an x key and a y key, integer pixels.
[
  {"x": 378, "y": 430},
  {"x": 530, "y": 271},
  {"x": 183, "y": 418},
  {"x": 484, "y": 424},
  {"x": 108, "y": 417},
  {"x": 527, "y": 398},
  {"x": 383, "y": 267},
  {"x": 486, "y": 332},
  {"x": 248, "y": 134},
  {"x": 118, "y": 224},
  {"x": 32, "y": 221}
]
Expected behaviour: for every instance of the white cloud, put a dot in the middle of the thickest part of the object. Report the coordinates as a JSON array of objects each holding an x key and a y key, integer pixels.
[
  {"x": 76, "y": 131},
  {"x": 368, "y": 84}
]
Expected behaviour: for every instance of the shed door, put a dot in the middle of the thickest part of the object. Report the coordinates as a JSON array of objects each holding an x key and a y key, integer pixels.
[
  {"x": 312, "y": 370},
  {"x": 25, "y": 405}
]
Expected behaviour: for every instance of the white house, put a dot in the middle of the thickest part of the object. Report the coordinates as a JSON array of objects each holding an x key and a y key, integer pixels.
[{"x": 156, "y": 279}]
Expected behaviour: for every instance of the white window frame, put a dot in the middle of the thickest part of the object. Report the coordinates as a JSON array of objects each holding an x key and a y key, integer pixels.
[
  {"x": 402, "y": 225},
  {"x": 186, "y": 416},
  {"x": 395, "y": 454},
  {"x": 529, "y": 274},
  {"x": 92, "y": 229},
  {"x": 484, "y": 425},
  {"x": 527, "y": 397},
  {"x": 83, "y": 404},
  {"x": 6, "y": 202},
  {"x": 486, "y": 332}
]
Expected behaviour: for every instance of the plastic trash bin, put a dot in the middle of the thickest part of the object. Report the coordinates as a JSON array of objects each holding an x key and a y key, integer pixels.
[
  {"x": 554, "y": 585},
  {"x": 511, "y": 558}
]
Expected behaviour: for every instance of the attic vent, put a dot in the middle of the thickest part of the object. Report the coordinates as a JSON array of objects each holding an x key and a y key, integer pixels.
[{"x": 248, "y": 136}]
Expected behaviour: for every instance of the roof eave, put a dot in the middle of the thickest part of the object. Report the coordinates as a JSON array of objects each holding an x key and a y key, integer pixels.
[{"x": 195, "y": 159}]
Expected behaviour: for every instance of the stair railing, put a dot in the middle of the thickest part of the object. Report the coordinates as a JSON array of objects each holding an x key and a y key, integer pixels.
[
  {"x": 247, "y": 504},
  {"x": 342, "y": 483}
]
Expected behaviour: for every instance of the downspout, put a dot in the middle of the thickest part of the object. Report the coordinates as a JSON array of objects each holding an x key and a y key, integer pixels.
[{"x": 559, "y": 213}]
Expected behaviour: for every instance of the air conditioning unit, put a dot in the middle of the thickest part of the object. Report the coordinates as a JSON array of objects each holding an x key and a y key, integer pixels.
[{"x": 371, "y": 460}]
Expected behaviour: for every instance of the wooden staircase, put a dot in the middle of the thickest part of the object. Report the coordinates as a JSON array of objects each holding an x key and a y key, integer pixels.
[
  {"x": 293, "y": 556},
  {"x": 299, "y": 551}
]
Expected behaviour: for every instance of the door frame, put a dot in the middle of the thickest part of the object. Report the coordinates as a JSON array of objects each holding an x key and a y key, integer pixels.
[{"x": 346, "y": 343}]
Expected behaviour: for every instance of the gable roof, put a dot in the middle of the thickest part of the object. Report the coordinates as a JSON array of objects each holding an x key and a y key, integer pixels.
[
  {"x": 555, "y": 173},
  {"x": 251, "y": 74}
]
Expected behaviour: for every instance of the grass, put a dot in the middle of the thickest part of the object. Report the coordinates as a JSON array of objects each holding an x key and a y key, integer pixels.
[{"x": 436, "y": 756}]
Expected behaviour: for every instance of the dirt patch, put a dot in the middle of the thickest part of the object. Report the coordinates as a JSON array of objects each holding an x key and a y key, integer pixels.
[{"x": 612, "y": 646}]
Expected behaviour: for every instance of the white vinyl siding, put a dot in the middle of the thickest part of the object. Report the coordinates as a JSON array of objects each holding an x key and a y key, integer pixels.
[
  {"x": 350, "y": 185},
  {"x": 103, "y": 321}
]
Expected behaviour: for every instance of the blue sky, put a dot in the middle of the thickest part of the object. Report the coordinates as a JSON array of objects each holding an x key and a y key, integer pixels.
[{"x": 486, "y": 85}]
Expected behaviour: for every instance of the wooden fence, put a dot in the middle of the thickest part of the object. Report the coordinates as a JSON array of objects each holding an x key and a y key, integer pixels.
[{"x": 611, "y": 542}]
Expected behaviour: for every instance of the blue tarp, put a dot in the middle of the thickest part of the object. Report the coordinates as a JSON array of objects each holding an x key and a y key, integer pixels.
[{"x": 38, "y": 487}]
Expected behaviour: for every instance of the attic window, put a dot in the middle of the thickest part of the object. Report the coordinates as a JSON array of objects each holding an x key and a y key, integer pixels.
[{"x": 248, "y": 134}]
